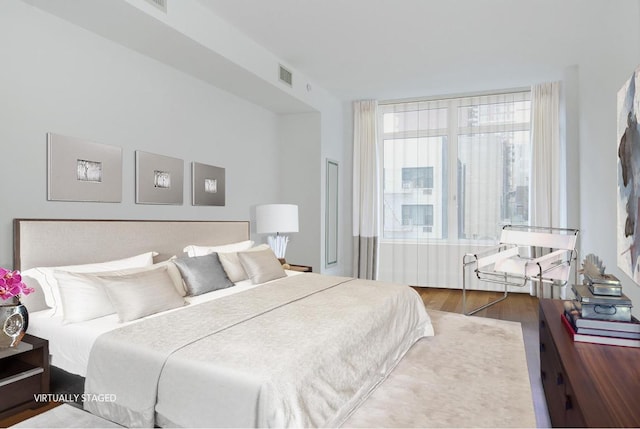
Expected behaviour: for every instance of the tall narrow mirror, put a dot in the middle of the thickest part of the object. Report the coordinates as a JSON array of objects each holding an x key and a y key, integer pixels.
[{"x": 331, "y": 214}]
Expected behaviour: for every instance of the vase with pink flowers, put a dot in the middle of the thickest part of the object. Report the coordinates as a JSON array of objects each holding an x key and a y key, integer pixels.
[{"x": 14, "y": 317}]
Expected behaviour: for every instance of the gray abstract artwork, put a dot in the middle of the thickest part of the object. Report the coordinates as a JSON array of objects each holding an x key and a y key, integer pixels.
[{"x": 628, "y": 178}]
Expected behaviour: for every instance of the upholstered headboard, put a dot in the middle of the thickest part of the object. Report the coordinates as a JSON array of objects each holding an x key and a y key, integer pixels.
[{"x": 48, "y": 242}]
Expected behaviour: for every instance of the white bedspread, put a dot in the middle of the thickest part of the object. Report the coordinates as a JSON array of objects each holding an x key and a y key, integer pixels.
[
  {"x": 70, "y": 344},
  {"x": 301, "y": 351}
]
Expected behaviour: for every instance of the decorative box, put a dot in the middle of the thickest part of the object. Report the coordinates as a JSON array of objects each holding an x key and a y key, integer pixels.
[
  {"x": 598, "y": 307},
  {"x": 603, "y": 284},
  {"x": 605, "y": 289}
]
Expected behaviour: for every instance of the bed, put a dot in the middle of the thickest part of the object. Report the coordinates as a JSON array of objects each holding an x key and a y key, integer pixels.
[{"x": 297, "y": 350}]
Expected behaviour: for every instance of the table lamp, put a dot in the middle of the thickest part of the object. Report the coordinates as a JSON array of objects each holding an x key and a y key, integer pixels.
[{"x": 277, "y": 218}]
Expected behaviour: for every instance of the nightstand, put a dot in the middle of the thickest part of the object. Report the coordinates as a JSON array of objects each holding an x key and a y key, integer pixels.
[
  {"x": 24, "y": 372},
  {"x": 300, "y": 268}
]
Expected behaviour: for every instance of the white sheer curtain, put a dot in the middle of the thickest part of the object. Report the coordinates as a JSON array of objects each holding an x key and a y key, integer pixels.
[
  {"x": 544, "y": 188},
  {"x": 366, "y": 189},
  {"x": 455, "y": 170}
]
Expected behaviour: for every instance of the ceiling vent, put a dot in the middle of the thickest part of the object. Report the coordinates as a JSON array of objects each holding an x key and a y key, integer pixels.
[
  {"x": 160, "y": 4},
  {"x": 286, "y": 76}
]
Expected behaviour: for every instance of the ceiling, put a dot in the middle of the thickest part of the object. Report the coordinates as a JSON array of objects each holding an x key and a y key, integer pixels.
[
  {"x": 380, "y": 49},
  {"x": 407, "y": 48}
]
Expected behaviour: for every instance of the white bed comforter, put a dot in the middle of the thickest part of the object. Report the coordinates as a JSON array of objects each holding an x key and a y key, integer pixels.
[
  {"x": 301, "y": 351},
  {"x": 70, "y": 343}
]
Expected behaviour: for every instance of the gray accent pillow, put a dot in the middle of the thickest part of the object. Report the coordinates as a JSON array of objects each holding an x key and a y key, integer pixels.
[
  {"x": 202, "y": 274},
  {"x": 142, "y": 293},
  {"x": 261, "y": 266}
]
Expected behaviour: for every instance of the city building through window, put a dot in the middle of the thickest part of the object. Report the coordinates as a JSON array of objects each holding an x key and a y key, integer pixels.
[{"x": 456, "y": 168}]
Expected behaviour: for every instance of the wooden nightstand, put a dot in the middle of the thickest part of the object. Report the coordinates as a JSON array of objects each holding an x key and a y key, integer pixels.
[
  {"x": 24, "y": 372},
  {"x": 300, "y": 268}
]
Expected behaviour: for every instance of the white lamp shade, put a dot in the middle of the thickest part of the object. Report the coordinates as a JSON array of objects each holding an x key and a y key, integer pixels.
[{"x": 272, "y": 218}]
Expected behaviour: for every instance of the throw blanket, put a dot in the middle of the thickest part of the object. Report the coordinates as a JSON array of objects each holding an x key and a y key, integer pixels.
[{"x": 301, "y": 351}]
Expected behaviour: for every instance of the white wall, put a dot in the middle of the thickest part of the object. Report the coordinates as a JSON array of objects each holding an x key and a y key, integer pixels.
[
  {"x": 60, "y": 77},
  {"x": 56, "y": 77},
  {"x": 299, "y": 180},
  {"x": 307, "y": 140},
  {"x": 615, "y": 56},
  {"x": 337, "y": 148}
]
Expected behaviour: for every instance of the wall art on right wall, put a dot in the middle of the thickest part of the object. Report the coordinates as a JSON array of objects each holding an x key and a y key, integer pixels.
[{"x": 629, "y": 177}]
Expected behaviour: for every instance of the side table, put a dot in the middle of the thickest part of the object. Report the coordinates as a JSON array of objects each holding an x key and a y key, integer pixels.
[
  {"x": 300, "y": 268},
  {"x": 24, "y": 372}
]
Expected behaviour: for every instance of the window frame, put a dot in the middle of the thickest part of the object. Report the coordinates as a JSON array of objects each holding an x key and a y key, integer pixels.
[{"x": 451, "y": 133}]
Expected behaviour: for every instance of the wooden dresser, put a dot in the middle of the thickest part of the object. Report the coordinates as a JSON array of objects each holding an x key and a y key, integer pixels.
[{"x": 586, "y": 385}]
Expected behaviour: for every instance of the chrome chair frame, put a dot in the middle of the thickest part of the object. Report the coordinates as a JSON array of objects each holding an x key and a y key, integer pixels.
[{"x": 541, "y": 265}]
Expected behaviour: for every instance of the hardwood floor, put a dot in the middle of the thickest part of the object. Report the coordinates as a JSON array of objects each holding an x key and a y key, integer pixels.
[
  {"x": 24, "y": 415},
  {"x": 518, "y": 307}
]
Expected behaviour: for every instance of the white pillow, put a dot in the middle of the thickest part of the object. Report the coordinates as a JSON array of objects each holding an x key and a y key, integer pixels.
[
  {"x": 45, "y": 275},
  {"x": 82, "y": 297},
  {"x": 143, "y": 293},
  {"x": 131, "y": 293},
  {"x": 232, "y": 265},
  {"x": 172, "y": 271},
  {"x": 193, "y": 250},
  {"x": 35, "y": 300}
]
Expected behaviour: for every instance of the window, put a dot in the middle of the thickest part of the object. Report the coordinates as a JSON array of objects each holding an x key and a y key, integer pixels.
[{"x": 455, "y": 169}]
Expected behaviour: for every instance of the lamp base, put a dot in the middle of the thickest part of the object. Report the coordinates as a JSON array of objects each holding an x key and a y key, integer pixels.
[{"x": 278, "y": 244}]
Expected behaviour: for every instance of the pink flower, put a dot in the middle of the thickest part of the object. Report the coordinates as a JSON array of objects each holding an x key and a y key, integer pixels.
[{"x": 11, "y": 284}]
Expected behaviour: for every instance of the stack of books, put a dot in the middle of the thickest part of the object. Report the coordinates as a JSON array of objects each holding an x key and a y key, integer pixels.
[
  {"x": 600, "y": 313},
  {"x": 596, "y": 331}
]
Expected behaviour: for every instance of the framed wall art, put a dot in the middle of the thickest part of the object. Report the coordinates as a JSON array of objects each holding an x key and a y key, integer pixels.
[
  {"x": 81, "y": 170},
  {"x": 159, "y": 179},
  {"x": 208, "y": 185},
  {"x": 629, "y": 177}
]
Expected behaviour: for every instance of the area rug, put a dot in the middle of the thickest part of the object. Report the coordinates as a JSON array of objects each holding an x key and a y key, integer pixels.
[
  {"x": 472, "y": 373},
  {"x": 66, "y": 416}
]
